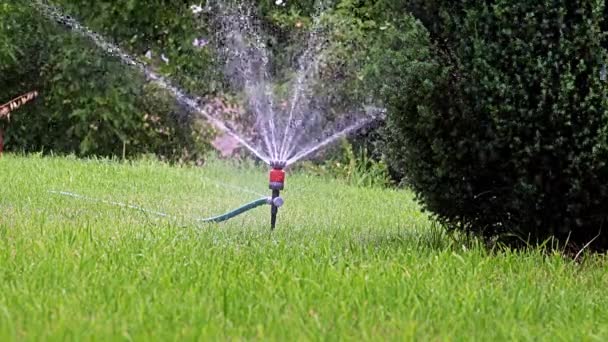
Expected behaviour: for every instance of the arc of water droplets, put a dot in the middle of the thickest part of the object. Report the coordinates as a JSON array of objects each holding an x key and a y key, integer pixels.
[
  {"x": 118, "y": 204},
  {"x": 248, "y": 72},
  {"x": 53, "y": 13},
  {"x": 288, "y": 145},
  {"x": 329, "y": 140},
  {"x": 273, "y": 149},
  {"x": 260, "y": 99},
  {"x": 272, "y": 124},
  {"x": 289, "y": 152},
  {"x": 304, "y": 71}
]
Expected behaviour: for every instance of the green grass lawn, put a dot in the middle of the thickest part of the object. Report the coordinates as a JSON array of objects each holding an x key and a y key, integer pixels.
[{"x": 344, "y": 263}]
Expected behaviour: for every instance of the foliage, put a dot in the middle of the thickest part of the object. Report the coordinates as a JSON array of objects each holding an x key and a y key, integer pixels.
[
  {"x": 502, "y": 131},
  {"x": 161, "y": 28},
  {"x": 355, "y": 168},
  {"x": 91, "y": 104}
]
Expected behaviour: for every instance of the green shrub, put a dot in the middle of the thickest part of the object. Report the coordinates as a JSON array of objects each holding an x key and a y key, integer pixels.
[{"x": 503, "y": 129}]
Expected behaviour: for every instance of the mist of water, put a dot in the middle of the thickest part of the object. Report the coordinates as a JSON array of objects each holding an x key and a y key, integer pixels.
[
  {"x": 190, "y": 102},
  {"x": 288, "y": 125},
  {"x": 301, "y": 122}
]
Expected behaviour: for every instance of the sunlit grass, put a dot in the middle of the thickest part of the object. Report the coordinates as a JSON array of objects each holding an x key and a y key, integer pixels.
[{"x": 344, "y": 263}]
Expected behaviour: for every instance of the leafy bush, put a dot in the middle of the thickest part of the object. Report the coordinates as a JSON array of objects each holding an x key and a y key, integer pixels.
[{"x": 502, "y": 130}]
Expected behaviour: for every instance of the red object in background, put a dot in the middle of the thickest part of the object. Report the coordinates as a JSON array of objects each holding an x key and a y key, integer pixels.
[{"x": 10, "y": 106}]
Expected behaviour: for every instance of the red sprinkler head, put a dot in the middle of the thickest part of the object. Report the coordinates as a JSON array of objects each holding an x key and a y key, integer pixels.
[{"x": 277, "y": 179}]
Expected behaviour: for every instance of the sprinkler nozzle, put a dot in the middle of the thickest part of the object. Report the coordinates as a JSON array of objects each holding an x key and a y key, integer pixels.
[
  {"x": 276, "y": 177},
  {"x": 278, "y": 164}
]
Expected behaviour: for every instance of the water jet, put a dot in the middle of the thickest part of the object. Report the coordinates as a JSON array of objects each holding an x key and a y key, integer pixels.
[{"x": 287, "y": 130}]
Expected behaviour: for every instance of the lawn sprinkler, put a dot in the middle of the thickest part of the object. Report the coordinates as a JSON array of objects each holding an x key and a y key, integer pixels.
[{"x": 276, "y": 184}]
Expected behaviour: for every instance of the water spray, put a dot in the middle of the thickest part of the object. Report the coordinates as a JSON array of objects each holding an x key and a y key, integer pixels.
[{"x": 288, "y": 134}]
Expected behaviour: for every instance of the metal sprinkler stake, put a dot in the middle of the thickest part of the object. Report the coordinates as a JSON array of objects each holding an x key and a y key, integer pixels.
[{"x": 276, "y": 184}]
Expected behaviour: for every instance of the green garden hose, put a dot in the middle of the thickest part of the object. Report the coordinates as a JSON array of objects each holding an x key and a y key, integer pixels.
[
  {"x": 237, "y": 211},
  {"x": 277, "y": 202}
]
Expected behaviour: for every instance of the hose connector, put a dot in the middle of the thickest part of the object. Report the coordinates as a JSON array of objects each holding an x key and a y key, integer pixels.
[{"x": 277, "y": 201}]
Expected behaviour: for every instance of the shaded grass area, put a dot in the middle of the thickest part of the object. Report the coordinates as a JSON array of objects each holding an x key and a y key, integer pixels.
[{"x": 344, "y": 263}]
